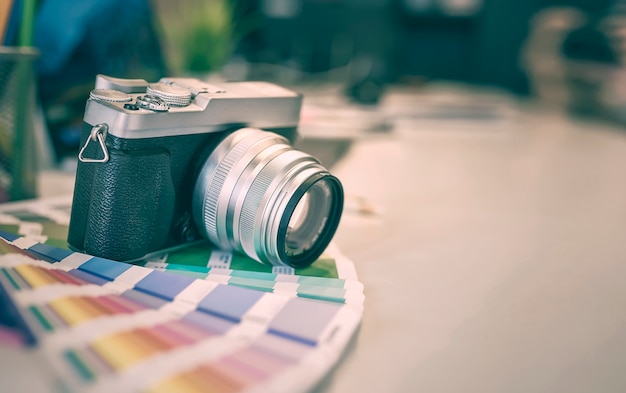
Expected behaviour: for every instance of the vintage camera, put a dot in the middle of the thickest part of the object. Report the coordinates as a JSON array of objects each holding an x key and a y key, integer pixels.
[{"x": 163, "y": 164}]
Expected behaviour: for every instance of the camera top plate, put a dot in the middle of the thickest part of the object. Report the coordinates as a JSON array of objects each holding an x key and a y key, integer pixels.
[{"x": 212, "y": 108}]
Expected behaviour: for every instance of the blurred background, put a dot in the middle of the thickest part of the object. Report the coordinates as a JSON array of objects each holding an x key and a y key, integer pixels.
[{"x": 566, "y": 54}]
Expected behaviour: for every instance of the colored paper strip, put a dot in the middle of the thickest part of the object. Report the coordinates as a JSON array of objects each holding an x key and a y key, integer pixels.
[
  {"x": 163, "y": 285},
  {"x": 104, "y": 268},
  {"x": 229, "y": 302},
  {"x": 303, "y": 320}
]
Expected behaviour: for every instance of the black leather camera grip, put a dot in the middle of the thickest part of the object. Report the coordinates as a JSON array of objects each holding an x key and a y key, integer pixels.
[
  {"x": 80, "y": 208},
  {"x": 131, "y": 204}
]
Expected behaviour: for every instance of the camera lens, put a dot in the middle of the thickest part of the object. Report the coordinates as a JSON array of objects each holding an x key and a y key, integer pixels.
[{"x": 258, "y": 195}]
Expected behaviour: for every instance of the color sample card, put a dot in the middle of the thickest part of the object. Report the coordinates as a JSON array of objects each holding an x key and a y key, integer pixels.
[
  {"x": 47, "y": 221},
  {"x": 109, "y": 326},
  {"x": 347, "y": 291},
  {"x": 338, "y": 290},
  {"x": 332, "y": 277},
  {"x": 174, "y": 323}
]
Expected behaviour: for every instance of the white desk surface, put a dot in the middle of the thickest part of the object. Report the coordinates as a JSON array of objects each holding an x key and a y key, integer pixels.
[{"x": 497, "y": 262}]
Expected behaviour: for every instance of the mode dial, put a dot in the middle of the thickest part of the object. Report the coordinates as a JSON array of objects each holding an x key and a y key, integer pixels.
[
  {"x": 109, "y": 95},
  {"x": 173, "y": 95}
]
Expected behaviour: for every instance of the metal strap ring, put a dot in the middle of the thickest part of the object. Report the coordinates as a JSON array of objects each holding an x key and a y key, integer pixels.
[{"x": 98, "y": 133}]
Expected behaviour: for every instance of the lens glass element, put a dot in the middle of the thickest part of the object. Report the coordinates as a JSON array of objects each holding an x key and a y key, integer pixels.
[
  {"x": 308, "y": 219},
  {"x": 257, "y": 195}
]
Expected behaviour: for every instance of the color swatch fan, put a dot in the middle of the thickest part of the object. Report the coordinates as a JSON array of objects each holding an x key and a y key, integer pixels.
[{"x": 82, "y": 323}]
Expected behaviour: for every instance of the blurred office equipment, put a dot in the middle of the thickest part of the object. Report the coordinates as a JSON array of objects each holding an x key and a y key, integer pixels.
[
  {"x": 18, "y": 144},
  {"x": 22, "y": 139},
  {"x": 473, "y": 41},
  {"x": 575, "y": 60}
]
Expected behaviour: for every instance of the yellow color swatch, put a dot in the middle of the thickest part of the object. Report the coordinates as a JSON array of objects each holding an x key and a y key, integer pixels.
[
  {"x": 34, "y": 276},
  {"x": 72, "y": 310},
  {"x": 122, "y": 350},
  {"x": 178, "y": 384}
]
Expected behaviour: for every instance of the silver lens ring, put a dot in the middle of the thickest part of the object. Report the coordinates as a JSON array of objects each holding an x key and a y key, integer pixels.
[
  {"x": 261, "y": 205},
  {"x": 283, "y": 202},
  {"x": 219, "y": 177},
  {"x": 248, "y": 190}
]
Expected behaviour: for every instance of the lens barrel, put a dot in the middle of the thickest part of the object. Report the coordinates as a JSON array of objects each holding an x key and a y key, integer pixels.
[{"x": 258, "y": 195}]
